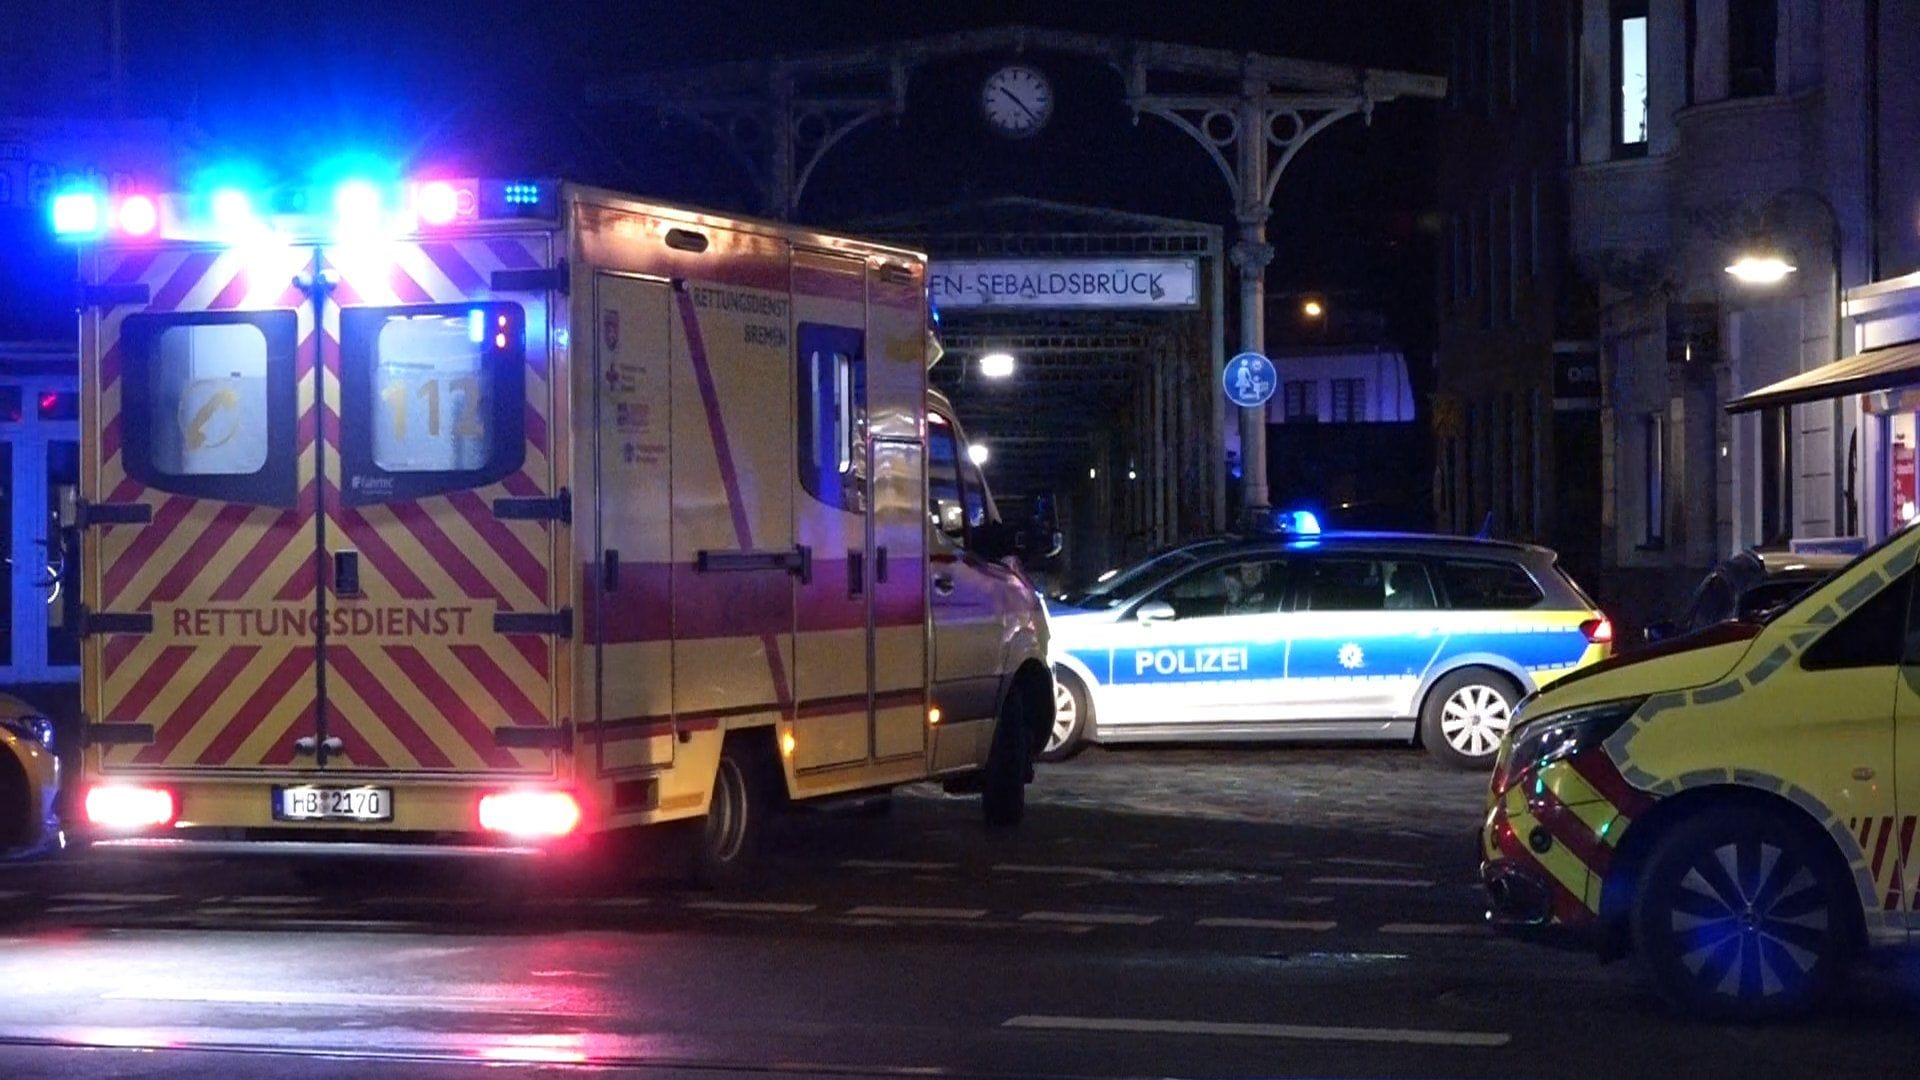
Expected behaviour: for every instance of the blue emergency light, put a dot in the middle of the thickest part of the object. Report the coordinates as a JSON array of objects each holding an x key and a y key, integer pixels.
[{"x": 78, "y": 213}]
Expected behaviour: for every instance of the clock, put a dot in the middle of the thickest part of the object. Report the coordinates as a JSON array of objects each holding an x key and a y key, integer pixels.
[{"x": 1017, "y": 100}]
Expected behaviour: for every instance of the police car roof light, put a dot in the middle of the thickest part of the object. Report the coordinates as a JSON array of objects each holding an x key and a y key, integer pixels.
[{"x": 1267, "y": 521}]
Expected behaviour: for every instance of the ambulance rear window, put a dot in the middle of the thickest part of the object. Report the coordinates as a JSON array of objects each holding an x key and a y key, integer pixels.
[
  {"x": 433, "y": 399},
  {"x": 209, "y": 402}
]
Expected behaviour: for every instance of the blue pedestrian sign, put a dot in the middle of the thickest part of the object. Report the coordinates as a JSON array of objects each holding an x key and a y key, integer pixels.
[{"x": 1249, "y": 379}]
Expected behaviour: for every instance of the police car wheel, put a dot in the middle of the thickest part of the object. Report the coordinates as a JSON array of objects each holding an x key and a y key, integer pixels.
[
  {"x": 1466, "y": 715},
  {"x": 1738, "y": 916},
  {"x": 1069, "y": 718}
]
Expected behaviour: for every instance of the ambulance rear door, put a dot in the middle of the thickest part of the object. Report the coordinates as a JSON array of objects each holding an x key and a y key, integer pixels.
[
  {"x": 199, "y": 491},
  {"x": 443, "y": 615}
]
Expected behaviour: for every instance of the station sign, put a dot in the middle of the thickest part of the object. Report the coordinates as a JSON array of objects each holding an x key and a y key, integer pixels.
[{"x": 1105, "y": 283}]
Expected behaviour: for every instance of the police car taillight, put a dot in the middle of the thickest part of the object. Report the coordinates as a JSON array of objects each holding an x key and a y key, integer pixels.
[
  {"x": 1599, "y": 631},
  {"x": 530, "y": 814},
  {"x": 128, "y": 807}
]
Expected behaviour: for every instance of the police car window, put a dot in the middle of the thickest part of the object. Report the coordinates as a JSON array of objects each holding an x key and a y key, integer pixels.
[
  {"x": 209, "y": 402},
  {"x": 1243, "y": 587},
  {"x": 1409, "y": 587},
  {"x": 1476, "y": 585},
  {"x": 433, "y": 399},
  {"x": 1338, "y": 584},
  {"x": 1872, "y": 635},
  {"x": 1115, "y": 586}
]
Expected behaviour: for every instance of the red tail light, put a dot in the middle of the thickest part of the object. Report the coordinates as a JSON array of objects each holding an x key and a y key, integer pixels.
[
  {"x": 530, "y": 815},
  {"x": 126, "y": 807},
  {"x": 1599, "y": 631}
]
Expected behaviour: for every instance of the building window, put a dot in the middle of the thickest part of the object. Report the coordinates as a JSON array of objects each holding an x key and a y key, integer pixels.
[
  {"x": 1349, "y": 401},
  {"x": 1752, "y": 30},
  {"x": 1300, "y": 402},
  {"x": 1776, "y": 475},
  {"x": 1630, "y": 78},
  {"x": 1655, "y": 480}
]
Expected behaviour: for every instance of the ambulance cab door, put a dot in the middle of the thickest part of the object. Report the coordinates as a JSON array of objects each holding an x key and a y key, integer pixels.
[
  {"x": 966, "y": 600},
  {"x": 198, "y": 490},
  {"x": 441, "y": 510},
  {"x": 627, "y": 567},
  {"x": 896, "y": 401},
  {"x": 833, "y": 646}
]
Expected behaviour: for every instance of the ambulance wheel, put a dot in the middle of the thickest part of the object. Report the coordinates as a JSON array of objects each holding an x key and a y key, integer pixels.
[
  {"x": 727, "y": 846},
  {"x": 1740, "y": 915},
  {"x": 1466, "y": 715},
  {"x": 1070, "y": 707},
  {"x": 1003, "y": 783}
]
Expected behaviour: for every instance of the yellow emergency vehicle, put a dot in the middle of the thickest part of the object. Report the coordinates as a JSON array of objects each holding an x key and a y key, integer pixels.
[
  {"x": 509, "y": 513},
  {"x": 1736, "y": 807}
]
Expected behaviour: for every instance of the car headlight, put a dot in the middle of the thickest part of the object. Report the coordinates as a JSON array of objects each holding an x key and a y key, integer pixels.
[
  {"x": 37, "y": 729},
  {"x": 1554, "y": 736}
]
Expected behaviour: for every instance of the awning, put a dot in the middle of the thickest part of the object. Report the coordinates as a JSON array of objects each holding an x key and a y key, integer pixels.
[{"x": 1875, "y": 369}]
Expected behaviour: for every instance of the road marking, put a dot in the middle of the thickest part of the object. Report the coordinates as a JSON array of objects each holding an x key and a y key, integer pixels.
[
  {"x": 1227, "y": 922},
  {"x": 1354, "y": 860},
  {"x": 113, "y": 898},
  {"x": 764, "y": 907},
  {"x": 84, "y": 909},
  {"x": 4, "y": 895},
  {"x": 1434, "y": 929},
  {"x": 269, "y": 899},
  {"x": 1070, "y": 871},
  {"x": 886, "y": 912},
  {"x": 895, "y": 864},
  {"x": 1411, "y": 1036},
  {"x": 622, "y": 901},
  {"x": 1399, "y": 883},
  {"x": 1097, "y": 918}
]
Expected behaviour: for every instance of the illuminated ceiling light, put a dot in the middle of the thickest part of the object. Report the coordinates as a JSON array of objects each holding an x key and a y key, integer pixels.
[
  {"x": 1761, "y": 269},
  {"x": 1093, "y": 474},
  {"x": 138, "y": 215},
  {"x": 977, "y": 453},
  {"x": 1132, "y": 475},
  {"x": 1313, "y": 309},
  {"x": 997, "y": 365}
]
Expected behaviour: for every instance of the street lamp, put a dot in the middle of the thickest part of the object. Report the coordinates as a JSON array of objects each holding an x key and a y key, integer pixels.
[
  {"x": 1313, "y": 309},
  {"x": 977, "y": 453},
  {"x": 997, "y": 365},
  {"x": 1761, "y": 269}
]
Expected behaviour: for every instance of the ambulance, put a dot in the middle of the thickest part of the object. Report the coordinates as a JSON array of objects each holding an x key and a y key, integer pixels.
[
  {"x": 1736, "y": 807},
  {"x": 506, "y": 514}
]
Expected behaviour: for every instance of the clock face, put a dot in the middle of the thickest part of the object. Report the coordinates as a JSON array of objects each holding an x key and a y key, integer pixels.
[{"x": 1017, "y": 100}]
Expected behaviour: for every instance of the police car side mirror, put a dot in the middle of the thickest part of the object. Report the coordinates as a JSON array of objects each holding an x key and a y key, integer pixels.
[{"x": 1155, "y": 611}]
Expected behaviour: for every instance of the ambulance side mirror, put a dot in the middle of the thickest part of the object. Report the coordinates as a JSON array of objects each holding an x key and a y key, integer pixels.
[
  {"x": 994, "y": 540},
  {"x": 951, "y": 518},
  {"x": 1154, "y": 611}
]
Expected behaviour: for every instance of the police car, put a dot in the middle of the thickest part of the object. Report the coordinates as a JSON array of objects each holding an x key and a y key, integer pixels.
[{"x": 1309, "y": 635}]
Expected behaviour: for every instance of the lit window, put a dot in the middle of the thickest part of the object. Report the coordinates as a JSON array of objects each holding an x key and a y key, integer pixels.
[{"x": 1630, "y": 76}]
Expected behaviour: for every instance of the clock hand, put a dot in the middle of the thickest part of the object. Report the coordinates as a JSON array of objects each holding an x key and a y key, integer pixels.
[{"x": 1011, "y": 96}]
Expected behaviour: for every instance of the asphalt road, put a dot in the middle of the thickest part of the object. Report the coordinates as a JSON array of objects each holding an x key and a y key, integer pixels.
[{"x": 1270, "y": 912}]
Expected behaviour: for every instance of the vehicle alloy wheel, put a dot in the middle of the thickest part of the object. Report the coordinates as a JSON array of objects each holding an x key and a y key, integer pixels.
[
  {"x": 1065, "y": 739},
  {"x": 727, "y": 845},
  {"x": 1466, "y": 716},
  {"x": 1474, "y": 719},
  {"x": 1736, "y": 918}
]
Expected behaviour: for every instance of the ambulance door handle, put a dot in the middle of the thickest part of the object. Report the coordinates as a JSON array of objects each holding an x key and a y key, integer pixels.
[
  {"x": 610, "y": 570},
  {"x": 943, "y": 584},
  {"x": 346, "y": 573},
  {"x": 856, "y": 574},
  {"x": 880, "y": 565}
]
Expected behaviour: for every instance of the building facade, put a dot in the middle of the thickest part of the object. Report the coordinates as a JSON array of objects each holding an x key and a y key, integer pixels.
[
  {"x": 1738, "y": 166},
  {"x": 1516, "y": 417}
]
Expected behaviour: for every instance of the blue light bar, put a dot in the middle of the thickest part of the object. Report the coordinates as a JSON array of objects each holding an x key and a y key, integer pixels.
[
  {"x": 520, "y": 193},
  {"x": 78, "y": 214}
]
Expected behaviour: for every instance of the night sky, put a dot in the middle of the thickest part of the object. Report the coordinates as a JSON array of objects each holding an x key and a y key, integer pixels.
[{"x": 497, "y": 86}]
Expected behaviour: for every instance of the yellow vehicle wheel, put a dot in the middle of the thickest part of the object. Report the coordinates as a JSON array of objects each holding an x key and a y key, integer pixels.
[
  {"x": 1741, "y": 915},
  {"x": 727, "y": 845}
]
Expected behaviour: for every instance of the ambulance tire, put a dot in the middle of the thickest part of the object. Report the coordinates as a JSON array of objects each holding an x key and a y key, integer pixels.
[
  {"x": 1070, "y": 709},
  {"x": 1475, "y": 703},
  {"x": 1781, "y": 936},
  {"x": 727, "y": 842},
  {"x": 1003, "y": 782}
]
